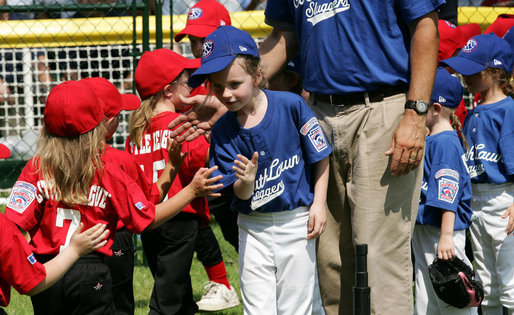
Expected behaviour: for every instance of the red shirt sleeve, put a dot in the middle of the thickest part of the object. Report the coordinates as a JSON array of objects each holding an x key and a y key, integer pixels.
[{"x": 18, "y": 266}]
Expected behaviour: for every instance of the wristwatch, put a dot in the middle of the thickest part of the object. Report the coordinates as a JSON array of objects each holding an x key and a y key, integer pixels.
[{"x": 421, "y": 107}]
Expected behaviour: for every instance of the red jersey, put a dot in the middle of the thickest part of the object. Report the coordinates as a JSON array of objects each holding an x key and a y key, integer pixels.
[
  {"x": 152, "y": 156},
  {"x": 129, "y": 165},
  {"x": 18, "y": 267},
  {"x": 51, "y": 223}
]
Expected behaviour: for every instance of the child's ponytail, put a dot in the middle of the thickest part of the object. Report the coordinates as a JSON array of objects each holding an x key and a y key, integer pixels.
[{"x": 457, "y": 126}]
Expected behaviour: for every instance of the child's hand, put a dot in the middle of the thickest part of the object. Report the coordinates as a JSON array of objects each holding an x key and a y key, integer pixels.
[
  {"x": 445, "y": 248},
  {"x": 202, "y": 185},
  {"x": 317, "y": 221},
  {"x": 89, "y": 240},
  {"x": 175, "y": 155},
  {"x": 246, "y": 169},
  {"x": 510, "y": 214}
]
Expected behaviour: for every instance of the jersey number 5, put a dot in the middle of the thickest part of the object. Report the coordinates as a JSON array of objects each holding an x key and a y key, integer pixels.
[{"x": 68, "y": 214}]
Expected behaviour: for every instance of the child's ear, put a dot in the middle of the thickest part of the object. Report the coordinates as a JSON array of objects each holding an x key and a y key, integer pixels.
[
  {"x": 168, "y": 90},
  {"x": 259, "y": 77},
  {"x": 436, "y": 108}
]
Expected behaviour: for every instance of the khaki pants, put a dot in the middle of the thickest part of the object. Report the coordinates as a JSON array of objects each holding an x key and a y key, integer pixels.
[{"x": 366, "y": 205}]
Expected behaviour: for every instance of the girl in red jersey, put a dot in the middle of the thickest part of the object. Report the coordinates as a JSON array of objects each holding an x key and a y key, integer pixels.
[
  {"x": 20, "y": 269},
  {"x": 68, "y": 183},
  {"x": 161, "y": 77}
]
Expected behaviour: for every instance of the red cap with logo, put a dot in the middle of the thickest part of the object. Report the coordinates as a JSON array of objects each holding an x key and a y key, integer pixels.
[
  {"x": 204, "y": 18},
  {"x": 72, "y": 109},
  {"x": 159, "y": 67},
  {"x": 453, "y": 37},
  {"x": 4, "y": 152},
  {"x": 501, "y": 25},
  {"x": 114, "y": 102}
]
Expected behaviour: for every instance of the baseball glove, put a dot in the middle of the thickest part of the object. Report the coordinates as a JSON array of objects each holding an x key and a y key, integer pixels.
[{"x": 454, "y": 283}]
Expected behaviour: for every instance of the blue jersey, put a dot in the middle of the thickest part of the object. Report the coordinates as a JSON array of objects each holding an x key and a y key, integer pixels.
[
  {"x": 288, "y": 139},
  {"x": 350, "y": 46},
  {"x": 446, "y": 184},
  {"x": 489, "y": 130}
]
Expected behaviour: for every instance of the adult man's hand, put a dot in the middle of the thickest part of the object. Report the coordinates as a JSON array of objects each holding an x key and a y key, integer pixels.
[
  {"x": 205, "y": 111},
  {"x": 407, "y": 144}
]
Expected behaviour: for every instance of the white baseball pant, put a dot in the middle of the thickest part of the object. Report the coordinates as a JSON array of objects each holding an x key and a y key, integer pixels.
[
  {"x": 492, "y": 248},
  {"x": 277, "y": 263},
  {"x": 424, "y": 247}
]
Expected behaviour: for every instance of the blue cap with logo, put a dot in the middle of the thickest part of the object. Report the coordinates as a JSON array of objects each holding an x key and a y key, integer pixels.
[
  {"x": 219, "y": 50},
  {"x": 509, "y": 37},
  {"x": 481, "y": 52},
  {"x": 447, "y": 89}
]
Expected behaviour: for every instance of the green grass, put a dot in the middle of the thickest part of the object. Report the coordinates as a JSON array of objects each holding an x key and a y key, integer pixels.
[{"x": 143, "y": 283}]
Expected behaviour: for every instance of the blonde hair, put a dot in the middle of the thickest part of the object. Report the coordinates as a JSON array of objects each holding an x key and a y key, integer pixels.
[
  {"x": 69, "y": 164},
  {"x": 140, "y": 119},
  {"x": 503, "y": 78},
  {"x": 456, "y": 125}
]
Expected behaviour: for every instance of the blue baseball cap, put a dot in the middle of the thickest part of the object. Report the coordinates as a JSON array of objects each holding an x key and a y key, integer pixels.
[
  {"x": 447, "y": 89},
  {"x": 481, "y": 52},
  {"x": 219, "y": 50}
]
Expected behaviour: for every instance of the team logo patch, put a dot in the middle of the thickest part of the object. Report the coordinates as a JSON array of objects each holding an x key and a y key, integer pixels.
[
  {"x": 308, "y": 126},
  {"x": 318, "y": 138},
  {"x": 448, "y": 190},
  {"x": 194, "y": 13},
  {"x": 21, "y": 197},
  {"x": 139, "y": 205},
  {"x": 471, "y": 45},
  {"x": 447, "y": 172},
  {"x": 32, "y": 260},
  {"x": 207, "y": 48}
]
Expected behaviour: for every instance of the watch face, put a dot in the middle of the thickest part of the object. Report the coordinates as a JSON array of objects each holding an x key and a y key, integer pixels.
[{"x": 421, "y": 107}]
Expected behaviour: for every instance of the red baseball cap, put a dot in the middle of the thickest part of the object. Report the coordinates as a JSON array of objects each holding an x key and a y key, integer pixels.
[
  {"x": 453, "y": 37},
  {"x": 71, "y": 109},
  {"x": 113, "y": 101},
  {"x": 159, "y": 67},
  {"x": 4, "y": 152},
  {"x": 501, "y": 25},
  {"x": 204, "y": 18}
]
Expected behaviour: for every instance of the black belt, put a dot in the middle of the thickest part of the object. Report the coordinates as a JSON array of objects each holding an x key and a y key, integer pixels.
[{"x": 359, "y": 97}]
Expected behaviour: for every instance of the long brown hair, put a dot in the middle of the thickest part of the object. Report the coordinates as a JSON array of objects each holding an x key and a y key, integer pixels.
[
  {"x": 140, "y": 119},
  {"x": 69, "y": 164}
]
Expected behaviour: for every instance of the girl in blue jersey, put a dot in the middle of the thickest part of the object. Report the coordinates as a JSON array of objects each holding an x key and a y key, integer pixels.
[
  {"x": 486, "y": 63},
  {"x": 444, "y": 211},
  {"x": 271, "y": 148}
]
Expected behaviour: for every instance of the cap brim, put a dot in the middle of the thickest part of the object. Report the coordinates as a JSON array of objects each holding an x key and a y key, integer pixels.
[
  {"x": 212, "y": 66},
  {"x": 4, "y": 152},
  {"x": 200, "y": 31},
  {"x": 193, "y": 63},
  {"x": 130, "y": 102},
  {"x": 463, "y": 65}
]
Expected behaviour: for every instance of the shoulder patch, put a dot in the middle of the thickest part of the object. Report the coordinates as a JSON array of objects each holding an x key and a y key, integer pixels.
[
  {"x": 447, "y": 172},
  {"x": 318, "y": 138},
  {"x": 448, "y": 190},
  {"x": 308, "y": 126},
  {"x": 22, "y": 195},
  {"x": 139, "y": 205},
  {"x": 32, "y": 260}
]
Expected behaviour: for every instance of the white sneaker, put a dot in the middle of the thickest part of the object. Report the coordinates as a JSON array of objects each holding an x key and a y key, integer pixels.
[{"x": 217, "y": 297}]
